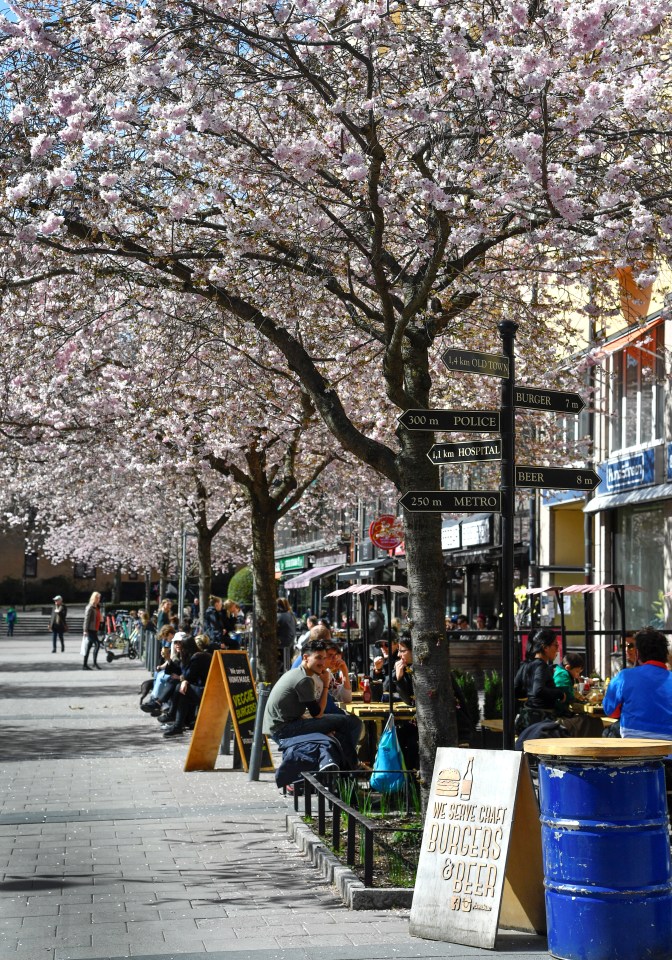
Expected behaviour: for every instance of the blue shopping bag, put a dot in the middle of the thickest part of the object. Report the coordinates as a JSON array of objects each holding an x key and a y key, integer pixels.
[{"x": 386, "y": 776}]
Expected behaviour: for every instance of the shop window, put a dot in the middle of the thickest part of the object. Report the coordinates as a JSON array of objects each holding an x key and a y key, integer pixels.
[
  {"x": 639, "y": 541},
  {"x": 637, "y": 392}
]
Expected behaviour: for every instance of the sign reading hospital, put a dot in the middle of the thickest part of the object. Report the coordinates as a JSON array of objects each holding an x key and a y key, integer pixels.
[{"x": 465, "y": 845}]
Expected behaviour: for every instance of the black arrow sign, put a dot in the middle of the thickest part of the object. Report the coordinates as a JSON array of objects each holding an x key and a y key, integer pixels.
[
  {"x": 451, "y": 501},
  {"x": 469, "y": 451},
  {"x": 534, "y": 398},
  {"x": 473, "y": 361},
  {"x": 464, "y": 421},
  {"x": 556, "y": 478}
]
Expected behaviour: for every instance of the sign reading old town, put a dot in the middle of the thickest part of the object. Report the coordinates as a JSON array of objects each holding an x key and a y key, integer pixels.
[
  {"x": 557, "y": 478},
  {"x": 468, "y": 451},
  {"x": 557, "y": 401},
  {"x": 473, "y": 361},
  {"x": 463, "y": 421},
  {"x": 451, "y": 501},
  {"x": 481, "y": 850}
]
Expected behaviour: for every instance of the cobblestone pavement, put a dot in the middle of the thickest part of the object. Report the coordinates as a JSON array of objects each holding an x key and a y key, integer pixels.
[{"x": 108, "y": 849}]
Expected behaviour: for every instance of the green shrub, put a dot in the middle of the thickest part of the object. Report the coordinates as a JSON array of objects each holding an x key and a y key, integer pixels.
[
  {"x": 492, "y": 701},
  {"x": 240, "y": 587},
  {"x": 467, "y": 684}
]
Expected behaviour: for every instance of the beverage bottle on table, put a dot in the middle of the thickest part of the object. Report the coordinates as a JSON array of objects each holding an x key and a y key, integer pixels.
[{"x": 366, "y": 690}]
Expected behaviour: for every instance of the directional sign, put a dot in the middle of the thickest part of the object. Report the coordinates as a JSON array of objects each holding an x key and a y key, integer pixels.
[
  {"x": 451, "y": 501},
  {"x": 464, "y": 421},
  {"x": 556, "y": 400},
  {"x": 556, "y": 478},
  {"x": 473, "y": 361},
  {"x": 469, "y": 451}
]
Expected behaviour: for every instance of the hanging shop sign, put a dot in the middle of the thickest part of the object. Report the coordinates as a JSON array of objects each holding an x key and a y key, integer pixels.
[{"x": 386, "y": 532}]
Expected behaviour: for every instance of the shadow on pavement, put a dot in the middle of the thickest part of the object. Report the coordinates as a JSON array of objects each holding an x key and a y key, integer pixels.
[
  {"x": 26, "y": 743},
  {"x": 20, "y": 691}
]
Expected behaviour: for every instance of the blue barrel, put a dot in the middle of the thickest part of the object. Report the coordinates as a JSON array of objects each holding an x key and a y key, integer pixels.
[{"x": 606, "y": 850}]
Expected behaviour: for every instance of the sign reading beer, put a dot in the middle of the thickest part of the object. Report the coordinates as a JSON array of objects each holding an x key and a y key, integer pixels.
[
  {"x": 481, "y": 850},
  {"x": 451, "y": 501},
  {"x": 456, "y": 421},
  {"x": 229, "y": 689},
  {"x": 557, "y": 478},
  {"x": 473, "y": 361}
]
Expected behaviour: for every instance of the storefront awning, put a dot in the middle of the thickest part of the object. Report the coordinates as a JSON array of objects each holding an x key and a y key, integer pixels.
[
  {"x": 364, "y": 569},
  {"x": 306, "y": 578},
  {"x": 662, "y": 491}
]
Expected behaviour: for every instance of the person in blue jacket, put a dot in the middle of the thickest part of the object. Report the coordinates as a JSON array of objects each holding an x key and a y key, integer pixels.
[{"x": 642, "y": 698}]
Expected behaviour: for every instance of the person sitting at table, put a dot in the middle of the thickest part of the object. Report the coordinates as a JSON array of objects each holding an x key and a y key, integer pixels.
[
  {"x": 630, "y": 655},
  {"x": 534, "y": 681},
  {"x": 642, "y": 699},
  {"x": 565, "y": 675},
  {"x": 380, "y": 669},
  {"x": 294, "y": 694}
]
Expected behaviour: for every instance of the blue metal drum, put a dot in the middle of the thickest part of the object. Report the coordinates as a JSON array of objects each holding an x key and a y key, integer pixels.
[{"x": 606, "y": 849}]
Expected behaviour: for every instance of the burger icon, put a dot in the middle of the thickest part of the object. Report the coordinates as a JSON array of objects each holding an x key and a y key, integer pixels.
[{"x": 448, "y": 783}]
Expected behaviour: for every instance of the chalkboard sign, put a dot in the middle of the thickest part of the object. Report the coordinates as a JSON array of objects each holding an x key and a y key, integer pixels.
[
  {"x": 480, "y": 861},
  {"x": 230, "y": 690}
]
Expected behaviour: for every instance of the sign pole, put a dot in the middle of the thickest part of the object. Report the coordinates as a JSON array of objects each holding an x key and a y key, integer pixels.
[{"x": 507, "y": 331}]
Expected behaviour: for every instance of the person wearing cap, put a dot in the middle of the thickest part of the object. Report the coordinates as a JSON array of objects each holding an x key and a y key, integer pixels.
[{"x": 58, "y": 623}]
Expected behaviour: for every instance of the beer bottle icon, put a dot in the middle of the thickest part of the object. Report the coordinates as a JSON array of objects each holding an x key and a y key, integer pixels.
[{"x": 467, "y": 781}]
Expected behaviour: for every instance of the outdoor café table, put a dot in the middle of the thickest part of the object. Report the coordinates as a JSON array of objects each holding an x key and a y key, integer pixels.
[
  {"x": 374, "y": 717},
  {"x": 606, "y": 849}
]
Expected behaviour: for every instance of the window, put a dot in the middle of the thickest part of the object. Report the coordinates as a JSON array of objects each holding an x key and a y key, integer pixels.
[
  {"x": 639, "y": 543},
  {"x": 30, "y": 565},
  {"x": 83, "y": 571},
  {"x": 637, "y": 393}
]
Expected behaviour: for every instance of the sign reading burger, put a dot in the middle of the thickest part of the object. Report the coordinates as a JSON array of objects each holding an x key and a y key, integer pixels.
[{"x": 480, "y": 861}]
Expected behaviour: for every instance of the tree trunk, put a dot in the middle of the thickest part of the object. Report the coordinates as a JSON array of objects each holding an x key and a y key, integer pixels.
[
  {"x": 435, "y": 702},
  {"x": 204, "y": 569},
  {"x": 116, "y": 587},
  {"x": 265, "y": 592}
]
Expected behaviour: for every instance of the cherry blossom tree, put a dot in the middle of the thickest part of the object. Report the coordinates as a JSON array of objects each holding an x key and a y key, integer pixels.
[{"x": 346, "y": 181}]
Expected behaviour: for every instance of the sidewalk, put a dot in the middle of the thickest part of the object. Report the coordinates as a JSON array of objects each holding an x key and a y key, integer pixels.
[{"x": 109, "y": 850}]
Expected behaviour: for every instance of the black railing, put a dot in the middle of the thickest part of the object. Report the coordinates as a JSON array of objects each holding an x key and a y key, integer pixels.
[{"x": 362, "y": 832}]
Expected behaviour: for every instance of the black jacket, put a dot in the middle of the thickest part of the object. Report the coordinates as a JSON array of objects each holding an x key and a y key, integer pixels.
[
  {"x": 214, "y": 624},
  {"x": 535, "y": 681}
]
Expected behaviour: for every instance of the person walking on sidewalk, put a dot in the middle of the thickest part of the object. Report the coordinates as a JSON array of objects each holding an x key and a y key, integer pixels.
[
  {"x": 58, "y": 623},
  {"x": 92, "y": 621},
  {"x": 10, "y": 617}
]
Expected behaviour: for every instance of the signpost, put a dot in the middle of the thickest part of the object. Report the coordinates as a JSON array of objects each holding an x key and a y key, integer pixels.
[
  {"x": 469, "y": 451},
  {"x": 451, "y": 501},
  {"x": 500, "y": 421},
  {"x": 556, "y": 401},
  {"x": 557, "y": 478},
  {"x": 462, "y": 421},
  {"x": 473, "y": 361}
]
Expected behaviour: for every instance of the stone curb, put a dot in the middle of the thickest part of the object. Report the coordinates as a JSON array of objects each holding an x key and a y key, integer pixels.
[{"x": 348, "y": 885}]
